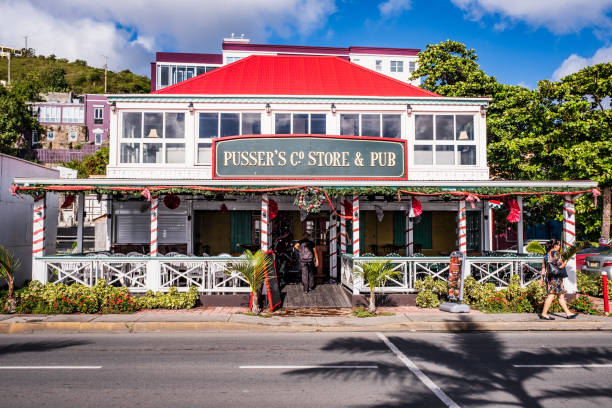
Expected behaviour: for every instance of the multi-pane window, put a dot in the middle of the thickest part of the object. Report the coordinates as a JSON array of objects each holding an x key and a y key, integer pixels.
[
  {"x": 375, "y": 125},
  {"x": 397, "y": 66},
  {"x": 379, "y": 65},
  {"x": 73, "y": 114},
  {"x": 152, "y": 137},
  {"x": 214, "y": 124},
  {"x": 72, "y": 136},
  {"x": 300, "y": 123},
  {"x": 98, "y": 115},
  {"x": 444, "y": 140},
  {"x": 171, "y": 74},
  {"x": 34, "y": 137},
  {"x": 232, "y": 59},
  {"x": 411, "y": 66},
  {"x": 98, "y": 138},
  {"x": 50, "y": 114}
]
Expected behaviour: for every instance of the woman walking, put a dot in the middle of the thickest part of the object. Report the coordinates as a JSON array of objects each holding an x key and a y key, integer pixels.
[{"x": 553, "y": 270}]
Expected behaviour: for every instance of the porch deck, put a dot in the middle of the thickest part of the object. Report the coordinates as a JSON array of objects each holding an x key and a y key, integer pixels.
[{"x": 323, "y": 296}]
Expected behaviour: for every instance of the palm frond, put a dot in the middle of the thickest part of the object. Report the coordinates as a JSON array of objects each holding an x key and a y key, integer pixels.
[
  {"x": 569, "y": 252},
  {"x": 253, "y": 268},
  {"x": 376, "y": 272},
  {"x": 9, "y": 263},
  {"x": 534, "y": 247}
]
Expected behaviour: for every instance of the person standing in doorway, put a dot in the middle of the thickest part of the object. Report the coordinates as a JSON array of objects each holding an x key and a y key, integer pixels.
[{"x": 309, "y": 260}]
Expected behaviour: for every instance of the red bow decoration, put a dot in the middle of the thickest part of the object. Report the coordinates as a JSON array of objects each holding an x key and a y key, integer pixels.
[
  {"x": 13, "y": 189},
  {"x": 596, "y": 193},
  {"x": 417, "y": 208},
  {"x": 68, "y": 200},
  {"x": 146, "y": 194},
  {"x": 272, "y": 209},
  {"x": 348, "y": 208},
  {"x": 224, "y": 208},
  {"x": 172, "y": 201},
  {"x": 515, "y": 212},
  {"x": 471, "y": 198}
]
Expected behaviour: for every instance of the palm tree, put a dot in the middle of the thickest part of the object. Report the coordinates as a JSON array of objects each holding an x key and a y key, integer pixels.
[
  {"x": 253, "y": 268},
  {"x": 376, "y": 273},
  {"x": 9, "y": 266},
  {"x": 535, "y": 247}
]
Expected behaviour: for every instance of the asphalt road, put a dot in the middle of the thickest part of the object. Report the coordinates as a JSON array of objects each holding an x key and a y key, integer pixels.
[{"x": 307, "y": 370}]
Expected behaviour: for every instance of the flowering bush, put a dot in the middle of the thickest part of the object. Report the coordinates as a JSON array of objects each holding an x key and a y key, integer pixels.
[
  {"x": 120, "y": 303},
  {"x": 87, "y": 304},
  {"x": 63, "y": 305},
  {"x": 427, "y": 299},
  {"x": 32, "y": 303},
  {"x": 583, "y": 304},
  {"x": 521, "y": 304},
  {"x": 497, "y": 303}
]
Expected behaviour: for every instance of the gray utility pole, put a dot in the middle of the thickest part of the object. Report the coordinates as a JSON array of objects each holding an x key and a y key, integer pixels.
[
  {"x": 105, "y": 69},
  {"x": 26, "y": 42}
]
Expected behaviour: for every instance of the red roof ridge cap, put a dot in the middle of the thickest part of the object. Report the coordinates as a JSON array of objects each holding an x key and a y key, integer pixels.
[
  {"x": 387, "y": 77},
  {"x": 222, "y": 67}
]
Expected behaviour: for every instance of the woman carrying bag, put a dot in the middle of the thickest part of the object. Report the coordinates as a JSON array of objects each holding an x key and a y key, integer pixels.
[{"x": 553, "y": 270}]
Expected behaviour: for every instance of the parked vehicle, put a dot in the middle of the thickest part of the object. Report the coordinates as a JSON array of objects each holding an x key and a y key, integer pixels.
[
  {"x": 595, "y": 264},
  {"x": 588, "y": 251}
]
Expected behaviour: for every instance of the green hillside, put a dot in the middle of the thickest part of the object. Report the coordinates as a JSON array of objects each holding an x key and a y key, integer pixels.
[{"x": 77, "y": 76}]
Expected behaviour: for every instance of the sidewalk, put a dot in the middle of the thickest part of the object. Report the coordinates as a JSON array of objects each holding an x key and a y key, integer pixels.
[{"x": 286, "y": 320}]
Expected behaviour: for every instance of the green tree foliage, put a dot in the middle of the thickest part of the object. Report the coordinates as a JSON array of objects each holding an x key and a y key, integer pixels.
[
  {"x": 559, "y": 131},
  {"x": 15, "y": 115},
  {"x": 53, "y": 79},
  {"x": 91, "y": 165}
]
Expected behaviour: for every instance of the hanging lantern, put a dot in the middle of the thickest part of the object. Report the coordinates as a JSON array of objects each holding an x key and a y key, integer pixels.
[
  {"x": 417, "y": 208},
  {"x": 172, "y": 201}
]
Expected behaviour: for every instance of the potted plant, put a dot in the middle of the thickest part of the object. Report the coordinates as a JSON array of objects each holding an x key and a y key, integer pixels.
[
  {"x": 9, "y": 266},
  {"x": 376, "y": 273},
  {"x": 253, "y": 269}
]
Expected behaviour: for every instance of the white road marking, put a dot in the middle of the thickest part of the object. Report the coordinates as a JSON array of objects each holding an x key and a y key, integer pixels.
[
  {"x": 50, "y": 367},
  {"x": 308, "y": 366},
  {"x": 562, "y": 365},
  {"x": 419, "y": 374}
]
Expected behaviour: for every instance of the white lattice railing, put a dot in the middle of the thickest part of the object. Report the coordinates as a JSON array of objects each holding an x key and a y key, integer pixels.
[
  {"x": 139, "y": 274},
  {"x": 497, "y": 270}
]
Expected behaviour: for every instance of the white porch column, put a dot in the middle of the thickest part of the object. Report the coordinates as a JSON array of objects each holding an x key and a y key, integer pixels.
[
  {"x": 154, "y": 214},
  {"x": 462, "y": 227},
  {"x": 343, "y": 239},
  {"x": 80, "y": 216},
  {"x": 409, "y": 230},
  {"x": 265, "y": 243},
  {"x": 487, "y": 226},
  {"x": 39, "y": 270},
  {"x": 357, "y": 281},
  {"x": 569, "y": 239},
  {"x": 153, "y": 278},
  {"x": 520, "y": 241},
  {"x": 333, "y": 246}
]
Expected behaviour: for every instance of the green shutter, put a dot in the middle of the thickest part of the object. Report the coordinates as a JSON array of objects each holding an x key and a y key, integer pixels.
[
  {"x": 240, "y": 229},
  {"x": 362, "y": 228},
  {"x": 422, "y": 231},
  {"x": 399, "y": 228},
  {"x": 473, "y": 230}
]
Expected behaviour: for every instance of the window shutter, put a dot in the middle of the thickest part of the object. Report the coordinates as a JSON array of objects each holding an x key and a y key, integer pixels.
[{"x": 240, "y": 229}]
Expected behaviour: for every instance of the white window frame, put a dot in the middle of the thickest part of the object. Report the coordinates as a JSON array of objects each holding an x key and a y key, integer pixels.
[
  {"x": 50, "y": 134},
  {"x": 291, "y": 121},
  {"x": 34, "y": 137},
  {"x": 401, "y": 115},
  {"x": 50, "y": 114},
  {"x": 454, "y": 142},
  {"x": 70, "y": 136},
  {"x": 73, "y": 114},
  {"x": 98, "y": 115},
  {"x": 173, "y": 74},
  {"x": 160, "y": 140},
  {"x": 378, "y": 65},
  {"x": 397, "y": 66}
]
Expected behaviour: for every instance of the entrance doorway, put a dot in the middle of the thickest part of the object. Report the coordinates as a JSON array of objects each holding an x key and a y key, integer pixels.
[{"x": 318, "y": 228}]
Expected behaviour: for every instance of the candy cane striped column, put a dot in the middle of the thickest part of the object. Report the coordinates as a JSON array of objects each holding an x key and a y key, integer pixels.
[
  {"x": 409, "y": 230},
  {"x": 333, "y": 247},
  {"x": 154, "y": 215},
  {"x": 343, "y": 237},
  {"x": 38, "y": 238},
  {"x": 265, "y": 243},
  {"x": 569, "y": 240},
  {"x": 462, "y": 236},
  {"x": 356, "y": 243}
]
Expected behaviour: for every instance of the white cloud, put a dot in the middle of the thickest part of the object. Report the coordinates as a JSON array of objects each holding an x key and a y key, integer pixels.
[
  {"x": 558, "y": 16},
  {"x": 130, "y": 31},
  {"x": 391, "y": 8},
  {"x": 575, "y": 63}
]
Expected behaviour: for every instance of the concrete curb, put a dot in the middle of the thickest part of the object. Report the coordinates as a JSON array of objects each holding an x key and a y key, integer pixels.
[{"x": 207, "y": 326}]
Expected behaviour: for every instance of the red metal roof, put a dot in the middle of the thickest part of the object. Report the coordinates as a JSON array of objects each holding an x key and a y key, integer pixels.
[{"x": 294, "y": 75}]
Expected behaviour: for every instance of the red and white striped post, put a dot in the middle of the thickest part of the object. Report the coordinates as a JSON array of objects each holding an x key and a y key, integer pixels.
[
  {"x": 265, "y": 240},
  {"x": 357, "y": 280},
  {"x": 409, "y": 230},
  {"x": 462, "y": 230},
  {"x": 154, "y": 216},
  {"x": 39, "y": 271},
  {"x": 343, "y": 235},
  {"x": 604, "y": 278},
  {"x": 569, "y": 240},
  {"x": 333, "y": 246}
]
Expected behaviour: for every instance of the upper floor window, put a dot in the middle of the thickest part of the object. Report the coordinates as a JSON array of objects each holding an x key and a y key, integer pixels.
[
  {"x": 73, "y": 114},
  {"x": 397, "y": 66},
  {"x": 232, "y": 59},
  {"x": 172, "y": 74},
  {"x": 98, "y": 115},
  {"x": 50, "y": 113},
  {"x": 379, "y": 65},
  {"x": 152, "y": 137},
  {"x": 374, "y": 125},
  {"x": 444, "y": 140},
  {"x": 300, "y": 123},
  {"x": 214, "y": 124}
]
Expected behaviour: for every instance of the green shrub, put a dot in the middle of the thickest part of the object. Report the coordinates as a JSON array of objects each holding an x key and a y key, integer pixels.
[
  {"x": 476, "y": 294},
  {"x": 427, "y": 299},
  {"x": 497, "y": 303},
  {"x": 119, "y": 303},
  {"x": 32, "y": 303},
  {"x": 583, "y": 304},
  {"x": 171, "y": 300},
  {"x": 362, "y": 312},
  {"x": 592, "y": 284},
  {"x": 63, "y": 305},
  {"x": 520, "y": 304},
  {"x": 87, "y": 304}
]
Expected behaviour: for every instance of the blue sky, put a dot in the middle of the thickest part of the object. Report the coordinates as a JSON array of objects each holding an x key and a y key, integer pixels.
[{"x": 518, "y": 41}]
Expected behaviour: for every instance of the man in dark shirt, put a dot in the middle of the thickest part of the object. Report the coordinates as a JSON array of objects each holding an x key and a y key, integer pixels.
[{"x": 309, "y": 260}]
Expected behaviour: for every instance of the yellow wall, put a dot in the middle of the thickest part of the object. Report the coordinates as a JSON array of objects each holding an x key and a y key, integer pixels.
[
  {"x": 443, "y": 233},
  {"x": 214, "y": 230},
  {"x": 377, "y": 233}
]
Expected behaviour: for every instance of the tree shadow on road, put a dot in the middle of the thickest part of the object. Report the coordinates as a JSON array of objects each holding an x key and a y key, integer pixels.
[
  {"x": 473, "y": 369},
  {"x": 39, "y": 346}
]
